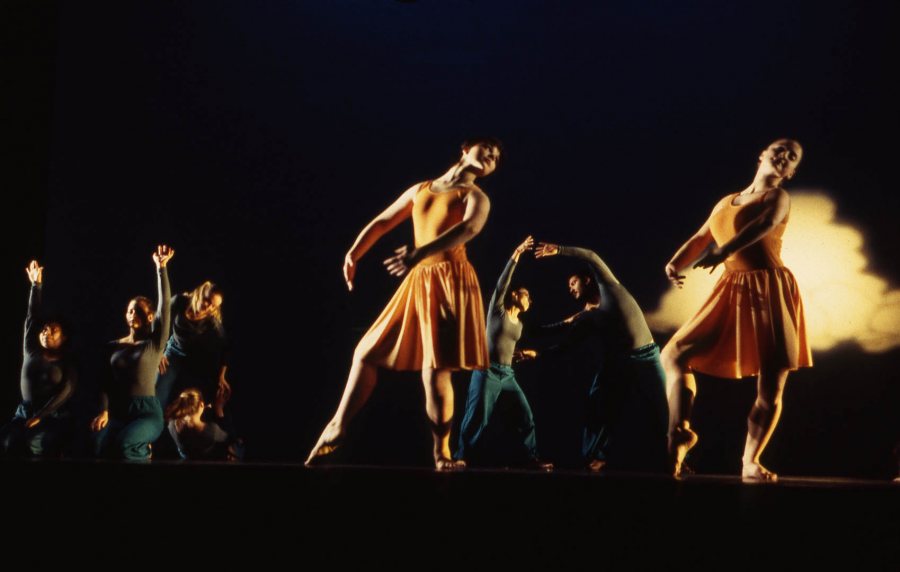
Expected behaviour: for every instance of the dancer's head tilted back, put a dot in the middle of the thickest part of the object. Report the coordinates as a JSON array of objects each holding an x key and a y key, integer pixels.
[
  {"x": 481, "y": 153},
  {"x": 780, "y": 159},
  {"x": 518, "y": 298}
]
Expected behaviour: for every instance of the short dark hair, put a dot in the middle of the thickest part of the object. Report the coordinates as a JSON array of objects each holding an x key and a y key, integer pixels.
[
  {"x": 587, "y": 277},
  {"x": 508, "y": 299},
  {"x": 489, "y": 141},
  {"x": 65, "y": 326}
]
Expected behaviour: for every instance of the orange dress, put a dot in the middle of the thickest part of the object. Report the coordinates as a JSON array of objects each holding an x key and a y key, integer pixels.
[
  {"x": 436, "y": 317},
  {"x": 754, "y": 315}
]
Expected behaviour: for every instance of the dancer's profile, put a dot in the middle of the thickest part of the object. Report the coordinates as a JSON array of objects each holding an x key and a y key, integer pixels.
[
  {"x": 504, "y": 328},
  {"x": 435, "y": 321},
  {"x": 753, "y": 323},
  {"x": 625, "y": 425},
  {"x": 41, "y": 424},
  {"x": 131, "y": 417}
]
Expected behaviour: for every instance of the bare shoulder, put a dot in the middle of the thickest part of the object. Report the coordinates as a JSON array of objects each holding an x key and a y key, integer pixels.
[
  {"x": 476, "y": 194},
  {"x": 412, "y": 191},
  {"x": 724, "y": 202},
  {"x": 777, "y": 196}
]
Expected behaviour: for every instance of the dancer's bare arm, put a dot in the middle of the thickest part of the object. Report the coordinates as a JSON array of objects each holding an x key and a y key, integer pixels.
[
  {"x": 477, "y": 208},
  {"x": 387, "y": 220},
  {"x": 692, "y": 249},
  {"x": 777, "y": 205}
]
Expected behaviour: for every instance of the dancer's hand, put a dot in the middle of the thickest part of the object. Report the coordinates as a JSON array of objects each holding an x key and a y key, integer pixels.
[
  {"x": 33, "y": 422},
  {"x": 713, "y": 257},
  {"x": 349, "y": 271},
  {"x": 545, "y": 249},
  {"x": 162, "y": 255},
  {"x": 524, "y": 355},
  {"x": 674, "y": 277},
  {"x": 223, "y": 393},
  {"x": 163, "y": 364},
  {"x": 35, "y": 272},
  {"x": 100, "y": 421},
  {"x": 401, "y": 262},
  {"x": 528, "y": 244}
]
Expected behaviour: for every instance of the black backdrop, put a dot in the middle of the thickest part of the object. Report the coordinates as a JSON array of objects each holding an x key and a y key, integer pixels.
[{"x": 258, "y": 139}]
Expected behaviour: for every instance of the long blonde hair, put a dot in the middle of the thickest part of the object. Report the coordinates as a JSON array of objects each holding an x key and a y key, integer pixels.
[{"x": 203, "y": 292}]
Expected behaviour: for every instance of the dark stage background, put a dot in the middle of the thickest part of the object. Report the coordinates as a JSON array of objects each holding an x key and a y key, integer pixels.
[{"x": 258, "y": 138}]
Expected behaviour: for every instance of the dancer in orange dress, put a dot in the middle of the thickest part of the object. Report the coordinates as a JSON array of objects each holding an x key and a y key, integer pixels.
[
  {"x": 752, "y": 324},
  {"x": 435, "y": 321}
]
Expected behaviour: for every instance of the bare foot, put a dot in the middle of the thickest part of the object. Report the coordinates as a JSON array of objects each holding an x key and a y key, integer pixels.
[
  {"x": 681, "y": 441},
  {"x": 596, "y": 466},
  {"x": 537, "y": 464},
  {"x": 447, "y": 464},
  {"x": 327, "y": 444},
  {"x": 756, "y": 472}
]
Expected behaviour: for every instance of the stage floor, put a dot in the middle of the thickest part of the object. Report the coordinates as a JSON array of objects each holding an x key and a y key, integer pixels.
[{"x": 476, "y": 518}]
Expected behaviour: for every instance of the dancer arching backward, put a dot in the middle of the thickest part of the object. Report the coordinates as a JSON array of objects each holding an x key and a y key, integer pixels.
[
  {"x": 131, "y": 417},
  {"x": 435, "y": 321},
  {"x": 752, "y": 323},
  {"x": 503, "y": 331},
  {"x": 196, "y": 354},
  {"x": 198, "y": 438},
  {"x": 626, "y": 419},
  {"x": 41, "y": 425}
]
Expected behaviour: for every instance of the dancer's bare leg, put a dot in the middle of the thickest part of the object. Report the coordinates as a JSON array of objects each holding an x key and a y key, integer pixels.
[
  {"x": 360, "y": 383},
  {"x": 761, "y": 422},
  {"x": 439, "y": 406},
  {"x": 682, "y": 389}
]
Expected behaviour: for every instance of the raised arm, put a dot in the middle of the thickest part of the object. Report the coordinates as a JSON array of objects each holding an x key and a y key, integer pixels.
[
  {"x": 503, "y": 282},
  {"x": 776, "y": 206},
  {"x": 397, "y": 212},
  {"x": 30, "y": 343},
  {"x": 163, "y": 320},
  {"x": 602, "y": 273},
  {"x": 477, "y": 208}
]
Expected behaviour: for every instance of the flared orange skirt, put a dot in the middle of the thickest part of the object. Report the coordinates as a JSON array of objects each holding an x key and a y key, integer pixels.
[
  {"x": 435, "y": 319},
  {"x": 752, "y": 320}
]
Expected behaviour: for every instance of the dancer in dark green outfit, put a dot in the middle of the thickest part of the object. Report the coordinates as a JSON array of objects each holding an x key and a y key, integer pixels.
[
  {"x": 487, "y": 386},
  {"x": 131, "y": 417},
  {"x": 41, "y": 425},
  {"x": 627, "y": 418}
]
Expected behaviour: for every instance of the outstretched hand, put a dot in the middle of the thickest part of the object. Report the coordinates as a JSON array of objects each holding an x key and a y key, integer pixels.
[
  {"x": 527, "y": 244},
  {"x": 35, "y": 272},
  {"x": 524, "y": 355},
  {"x": 674, "y": 277},
  {"x": 162, "y": 255},
  {"x": 712, "y": 258},
  {"x": 401, "y": 262},
  {"x": 545, "y": 249}
]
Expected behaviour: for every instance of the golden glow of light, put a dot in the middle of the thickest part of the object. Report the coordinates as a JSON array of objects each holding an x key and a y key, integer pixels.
[{"x": 842, "y": 301}]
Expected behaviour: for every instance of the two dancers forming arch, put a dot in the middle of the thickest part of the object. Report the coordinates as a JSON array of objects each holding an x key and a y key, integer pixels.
[{"x": 752, "y": 323}]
